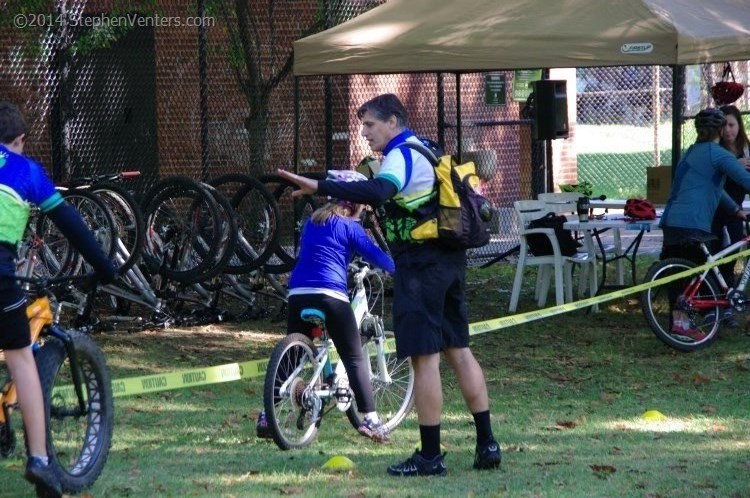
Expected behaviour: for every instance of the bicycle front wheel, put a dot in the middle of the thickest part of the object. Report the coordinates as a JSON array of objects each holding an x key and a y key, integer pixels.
[
  {"x": 292, "y": 410},
  {"x": 659, "y": 303},
  {"x": 392, "y": 386},
  {"x": 78, "y": 437}
]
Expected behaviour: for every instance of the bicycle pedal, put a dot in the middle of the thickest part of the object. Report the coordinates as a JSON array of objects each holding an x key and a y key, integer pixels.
[{"x": 343, "y": 396}]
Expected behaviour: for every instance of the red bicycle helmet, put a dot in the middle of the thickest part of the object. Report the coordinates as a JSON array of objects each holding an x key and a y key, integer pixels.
[{"x": 640, "y": 209}]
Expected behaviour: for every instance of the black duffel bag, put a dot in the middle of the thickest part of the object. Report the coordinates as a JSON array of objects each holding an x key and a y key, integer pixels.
[{"x": 539, "y": 243}]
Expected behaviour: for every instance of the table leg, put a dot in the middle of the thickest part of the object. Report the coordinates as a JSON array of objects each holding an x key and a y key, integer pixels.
[{"x": 619, "y": 269}]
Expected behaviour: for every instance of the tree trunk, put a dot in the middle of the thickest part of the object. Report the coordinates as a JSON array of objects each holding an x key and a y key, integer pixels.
[{"x": 257, "y": 127}]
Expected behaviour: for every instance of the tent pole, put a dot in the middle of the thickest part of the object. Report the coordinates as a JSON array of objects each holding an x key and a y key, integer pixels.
[
  {"x": 328, "y": 96},
  {"x": 296, "y": 125},
  {"x": 678, "y": 104},
  {"x": 440, "y": 110},
  {"x": 458, "y": 118}
]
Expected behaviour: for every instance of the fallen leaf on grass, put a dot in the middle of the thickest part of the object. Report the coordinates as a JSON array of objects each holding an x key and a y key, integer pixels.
[
  {"x": 602, "y": 471},
  {"x": 615, "y": 451},
  {"x": 291, "y": 490},
  {"x": 248, "y": 474},
  {"x": 705, "y": 485},
  {"x": 699, "y": 379},
  {"x": 567, "y": 424}
]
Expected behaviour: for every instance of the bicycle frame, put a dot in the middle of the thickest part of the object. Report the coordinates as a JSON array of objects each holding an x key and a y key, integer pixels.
[
  {"x": 41, "y": 316},
  {"x": 365, "y": 320},
  {"x": 724, "y": 301}
]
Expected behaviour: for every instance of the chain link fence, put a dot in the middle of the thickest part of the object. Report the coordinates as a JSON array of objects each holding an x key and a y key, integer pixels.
[{"x": 204, "y": 87}]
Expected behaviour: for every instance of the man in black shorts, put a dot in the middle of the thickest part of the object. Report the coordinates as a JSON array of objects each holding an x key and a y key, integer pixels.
[
  {"x": 429, "y": 305},
  {"x": 22, "y": 181}
]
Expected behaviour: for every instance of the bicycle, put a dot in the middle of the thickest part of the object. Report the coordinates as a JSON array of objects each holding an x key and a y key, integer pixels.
[
  {"x": 77, "y": 392},
  {"x": 300, "y": 381},
  {"x": 703, "y": 297},
  {"x": 125, "y": 211}
]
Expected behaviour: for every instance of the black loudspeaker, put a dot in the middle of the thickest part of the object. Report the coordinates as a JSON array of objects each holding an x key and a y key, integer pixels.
[{"x": 551, "y": 109}]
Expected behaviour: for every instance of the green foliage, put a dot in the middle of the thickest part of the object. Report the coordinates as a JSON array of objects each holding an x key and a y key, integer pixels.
[
  {"x": 40, "y": 19},
  {"x": 583, "y": 187}
]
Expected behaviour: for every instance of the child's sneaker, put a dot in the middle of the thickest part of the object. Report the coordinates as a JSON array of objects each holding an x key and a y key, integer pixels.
[
  {"x": 417, "y": 465},
  {"x": 688, "y": 332},
  {"x": 261, "y": 426},
  {"x": 487, "y": 456},
  {"x": 729, "y": 319},
  {"x": 43, "y": 477},
  {"x": 374, "y": 430}
]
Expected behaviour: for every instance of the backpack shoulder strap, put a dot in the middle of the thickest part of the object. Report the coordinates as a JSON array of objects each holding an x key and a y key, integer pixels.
[
  {"x": 421, "y": 149},
  {"x": 426, "y": 152}
]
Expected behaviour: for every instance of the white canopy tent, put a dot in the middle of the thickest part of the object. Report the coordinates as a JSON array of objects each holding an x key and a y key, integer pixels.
[{"x": 483, "y": 35}]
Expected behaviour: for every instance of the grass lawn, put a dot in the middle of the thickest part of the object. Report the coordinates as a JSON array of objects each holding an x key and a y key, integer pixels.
[{"x": 567, "y": 394}]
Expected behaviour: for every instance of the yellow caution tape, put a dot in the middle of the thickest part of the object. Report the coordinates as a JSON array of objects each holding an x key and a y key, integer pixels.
[
  {"x": 256, "y": 368},
  {"x": 508, "y": 321}
]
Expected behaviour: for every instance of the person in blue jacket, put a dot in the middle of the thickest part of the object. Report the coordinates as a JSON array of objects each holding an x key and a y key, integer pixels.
[
  {"x": 23, "y": 181},
  {"x": 330, "y": 239},
  {"x": 697, "y": 192}
]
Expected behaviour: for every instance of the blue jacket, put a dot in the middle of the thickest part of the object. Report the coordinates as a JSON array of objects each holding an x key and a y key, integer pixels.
[
  {"x": 698, "y": 187},
  {"x": 327, "y": 249}
]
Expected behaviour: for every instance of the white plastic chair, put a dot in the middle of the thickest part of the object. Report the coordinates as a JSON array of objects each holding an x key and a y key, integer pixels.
[
  {"x": 561, "y": 202},
  {"x": 555, "y": 264}
]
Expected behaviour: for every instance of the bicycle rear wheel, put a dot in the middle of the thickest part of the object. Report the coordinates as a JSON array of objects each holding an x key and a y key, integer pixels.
[
  {"x": 58, "y": 254},
  {"x": 227, "y": 233},
  {"x": 293, "y": 213},
  {"x": 181, "y": 217},
  {"x": 392, "y": 386},
  {"x": 658, "y": 304},
  {"x": 78, "y": 441},
  {"x": 291, "y": 409},
  {"x": 128, "y": 220},
  {"x": 257, "y": 219}
]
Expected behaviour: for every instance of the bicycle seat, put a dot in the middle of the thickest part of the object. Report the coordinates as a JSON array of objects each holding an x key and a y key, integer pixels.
[
  {"x": 317, "y": 318},
  {"x": 314, "y": 316}
]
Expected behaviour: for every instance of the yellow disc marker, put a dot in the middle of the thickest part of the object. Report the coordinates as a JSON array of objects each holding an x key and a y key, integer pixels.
[
  {"x": 338, "y": 463},
  {"x": 653, "y": 415}
]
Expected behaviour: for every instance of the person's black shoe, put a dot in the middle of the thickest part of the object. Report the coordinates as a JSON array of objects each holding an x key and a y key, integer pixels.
[
  {"x": 487, "y": 456},
  {"x": 43, "y": 477},
  {"x": 417, "y": 465},
  {"x": 261, "y": 426}
]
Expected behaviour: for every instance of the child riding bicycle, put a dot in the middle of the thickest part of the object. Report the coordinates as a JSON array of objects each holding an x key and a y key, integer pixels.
[
  {"x": 330, "y": 239},
  {"x": 23, "y": 181}
]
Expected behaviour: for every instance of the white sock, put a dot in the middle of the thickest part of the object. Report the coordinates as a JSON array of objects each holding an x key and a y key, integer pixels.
[
  {"x": 372, "y": 417},
  {"x": 44, "y": 459}
]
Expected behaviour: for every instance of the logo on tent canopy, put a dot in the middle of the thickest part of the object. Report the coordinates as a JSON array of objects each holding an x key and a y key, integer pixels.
[{"x": 637, "y": 48}]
